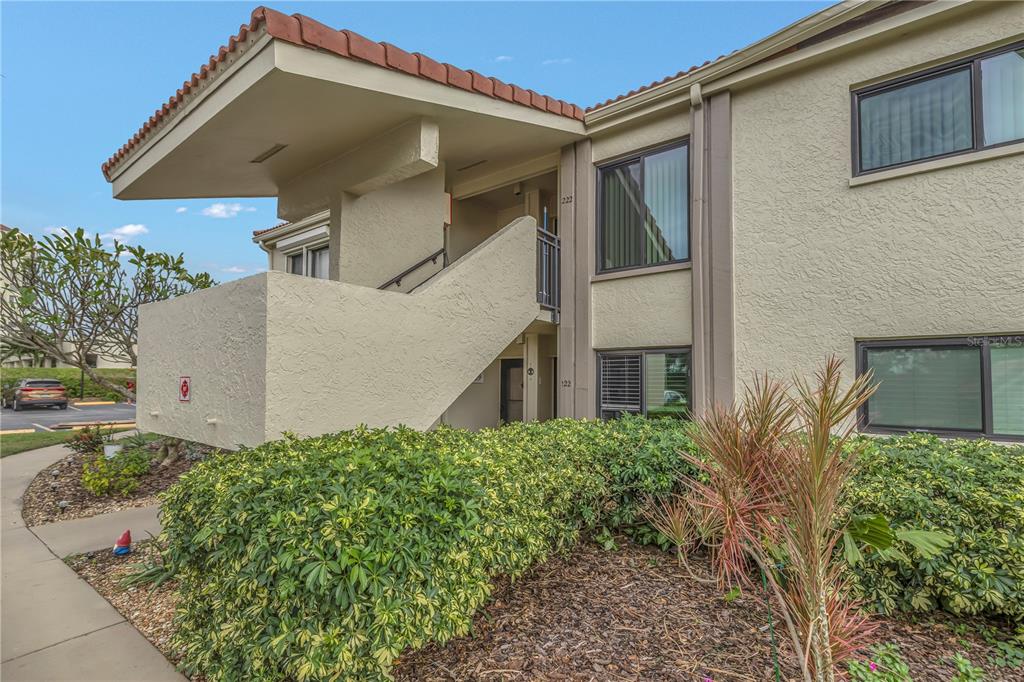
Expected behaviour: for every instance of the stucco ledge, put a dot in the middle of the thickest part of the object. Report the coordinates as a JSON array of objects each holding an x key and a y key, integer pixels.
[{"x": 938, "y": 164}]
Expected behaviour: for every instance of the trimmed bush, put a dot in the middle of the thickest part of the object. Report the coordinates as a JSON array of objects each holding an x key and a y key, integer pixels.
[
  {"x": 117, "y": 476},
  {"x": 326, "y": 558},
  {"x": 71, "y": 378},
  {"x": 971, "y": 489}
]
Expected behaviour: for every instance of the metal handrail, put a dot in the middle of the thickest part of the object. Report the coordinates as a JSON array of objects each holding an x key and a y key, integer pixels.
[
  {"x": 548, "y": 257},
  {"x": 397, "y": 279}
]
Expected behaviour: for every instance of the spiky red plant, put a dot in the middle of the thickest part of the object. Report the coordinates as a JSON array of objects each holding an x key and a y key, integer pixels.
[{"x": 776, "y": 467}]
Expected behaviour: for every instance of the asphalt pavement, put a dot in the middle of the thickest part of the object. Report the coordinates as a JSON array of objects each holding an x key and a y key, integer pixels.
[{"x": 45, "y": 418}]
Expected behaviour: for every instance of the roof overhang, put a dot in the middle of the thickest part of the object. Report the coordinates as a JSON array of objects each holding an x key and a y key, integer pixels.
[{"x": 274, "y": 110}]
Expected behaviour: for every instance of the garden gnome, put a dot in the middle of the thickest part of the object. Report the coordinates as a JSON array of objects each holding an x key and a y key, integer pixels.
[{"x": 124, "y": 544}]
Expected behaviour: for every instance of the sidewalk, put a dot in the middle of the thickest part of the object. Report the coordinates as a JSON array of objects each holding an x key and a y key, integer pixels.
[{"x": 54, "y": 626}]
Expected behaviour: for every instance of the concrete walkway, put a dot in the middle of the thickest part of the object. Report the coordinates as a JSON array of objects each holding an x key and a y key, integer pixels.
[{"x": 54, "y": 626}]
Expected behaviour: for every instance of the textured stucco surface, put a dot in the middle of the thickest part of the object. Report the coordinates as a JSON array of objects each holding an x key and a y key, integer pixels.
[
  {"x": 218, "y": 338},
  {"x": 819, "y": 264},
  {"x": 277, "y": 352},
  {"x": 384, "y": 232},
  {"x": 642, "y": 311},
  {"x": 384, "y": 358},
  {"x": 622, "y": 140}
]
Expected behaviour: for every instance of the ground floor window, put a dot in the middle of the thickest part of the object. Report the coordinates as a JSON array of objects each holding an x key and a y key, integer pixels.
[
  {"x": 655, "y": 383},
  {"x": 963, "y": 385}
]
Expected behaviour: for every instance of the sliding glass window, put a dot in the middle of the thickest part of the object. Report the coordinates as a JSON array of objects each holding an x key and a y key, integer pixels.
[
  {"x": 655, "y": 383},
  {"x": 968, "y": 385},
  {"x": 967, "y": 105},
  {"x": 643, "y": 210}
]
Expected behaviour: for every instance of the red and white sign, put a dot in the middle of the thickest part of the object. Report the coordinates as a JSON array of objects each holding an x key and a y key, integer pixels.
[{"x": 184, "y": 389}]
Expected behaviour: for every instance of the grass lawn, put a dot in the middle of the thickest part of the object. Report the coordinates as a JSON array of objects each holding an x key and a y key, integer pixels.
[{"x": 14, "y": 443}]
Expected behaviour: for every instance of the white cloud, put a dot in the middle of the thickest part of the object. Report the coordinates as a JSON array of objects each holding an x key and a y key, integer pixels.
[
  {"x": 560, "y": 60},
  {"x": 180, "y": 209},
  {"x": 54, "y": 230},
  {"x": 234, "y": 269},
  {"x": 125, "y": 232},
  {"x": 503, "y": 58},
  {"x": 220, "y": 210}
]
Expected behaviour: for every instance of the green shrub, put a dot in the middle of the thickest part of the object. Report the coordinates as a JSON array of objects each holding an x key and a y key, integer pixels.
[
  {"x": 119, "y": 475},
  {"x": 71, "y": 378},
  {"x": 971, "y": 489},
  {"x": 326, "y": 558},
  {"x": 884, "y": 665}
]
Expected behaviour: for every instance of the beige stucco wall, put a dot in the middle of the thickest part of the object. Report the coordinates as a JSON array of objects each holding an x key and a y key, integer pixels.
[
  {"x": 643, "y": 311},
  {"x": 275, "y": 352},
  {"x": 819, "y": 264},
  {"x": 625, "y": 139},
  {"x": 384, "y": 232},
  {"x": 646, "y": 309},
  {"x": 218, "y": 338}
]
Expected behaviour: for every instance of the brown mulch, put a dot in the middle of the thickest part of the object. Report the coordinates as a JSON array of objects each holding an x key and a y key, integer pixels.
[
  {"x": 627, "y": 614},
  {"x": 63, "y": 481}
]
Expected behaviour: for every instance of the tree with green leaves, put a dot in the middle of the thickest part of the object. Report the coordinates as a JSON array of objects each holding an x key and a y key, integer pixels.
[{"x": 69, "y": 296}]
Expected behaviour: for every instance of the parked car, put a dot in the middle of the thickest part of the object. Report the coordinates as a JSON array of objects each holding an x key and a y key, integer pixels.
[{"x": 35, "y": 392}]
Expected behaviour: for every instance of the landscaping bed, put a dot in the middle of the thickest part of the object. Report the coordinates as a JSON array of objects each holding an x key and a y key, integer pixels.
[
  {"x": 624, "y": 614},
  {"x": 62, "y": 481}
]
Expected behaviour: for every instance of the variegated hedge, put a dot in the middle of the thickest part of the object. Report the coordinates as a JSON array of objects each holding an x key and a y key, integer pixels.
[
  {"x": 326, "y": 558},
  {"x": 971, "y": 489}
]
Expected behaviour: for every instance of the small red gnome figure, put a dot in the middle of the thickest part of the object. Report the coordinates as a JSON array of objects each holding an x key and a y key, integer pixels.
[{"x": 124, "y": 544}]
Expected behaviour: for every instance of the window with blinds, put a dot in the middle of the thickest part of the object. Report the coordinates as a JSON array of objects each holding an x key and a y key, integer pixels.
[
  {"x": 620, "y": 383},
  {"x": 966, "y": 105},
  {"x": 655, "y": 383},
  {"x": 643, "y": 210},
  {"x": 956, "y": 386}
]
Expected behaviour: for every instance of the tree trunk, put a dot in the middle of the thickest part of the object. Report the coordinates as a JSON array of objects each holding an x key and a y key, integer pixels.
[{"x": 107, "y": 383}]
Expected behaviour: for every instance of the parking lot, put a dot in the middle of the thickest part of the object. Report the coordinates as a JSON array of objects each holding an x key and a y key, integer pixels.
[{"x": 46, "y": 418}]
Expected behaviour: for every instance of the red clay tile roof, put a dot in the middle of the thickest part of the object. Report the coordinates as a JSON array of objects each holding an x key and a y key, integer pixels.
[
  {"x": 655, "y": 84},
  {"x": 257, "y": 233},
  {"x": 306, "y": 32}
]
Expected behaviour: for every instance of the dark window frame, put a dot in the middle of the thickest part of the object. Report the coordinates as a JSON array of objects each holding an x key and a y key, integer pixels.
[
  {"x": 643, "y": 353},
  {"x": 972, "y": 64},
  {"x": 982, "y": 342},
  {"x": 625, "y": 161}
]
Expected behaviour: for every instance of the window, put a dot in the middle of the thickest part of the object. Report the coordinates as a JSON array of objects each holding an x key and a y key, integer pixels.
[
  {"x": 319, "y": 263},
  {"x": 643, "y": 210},
  {"x": 655, "y": 383},
  {"x": 960, "y": 107},
  {"x": 314, "y": 262},
  {"x": 969, "y": 385}
]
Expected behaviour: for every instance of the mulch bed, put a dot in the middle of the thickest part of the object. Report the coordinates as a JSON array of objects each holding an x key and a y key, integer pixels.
[
  {"x": 62, "y": 481},
  {"x": 628, "y": 614}
]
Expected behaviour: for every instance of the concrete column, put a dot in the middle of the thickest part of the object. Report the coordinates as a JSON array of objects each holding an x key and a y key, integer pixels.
[
  {"x": 565, "y": 406},
  {"x": 531, "y": 376}
]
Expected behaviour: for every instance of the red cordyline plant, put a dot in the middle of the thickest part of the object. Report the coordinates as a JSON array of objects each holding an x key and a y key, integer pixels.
[{"x": 776, "y": 465}]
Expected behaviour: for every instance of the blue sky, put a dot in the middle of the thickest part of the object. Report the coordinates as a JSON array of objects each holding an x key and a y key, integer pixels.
[{"x": 79, "y": 78}]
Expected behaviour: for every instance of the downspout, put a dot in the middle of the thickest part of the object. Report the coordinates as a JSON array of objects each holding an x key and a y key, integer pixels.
[{"x": 701, "y": 388}]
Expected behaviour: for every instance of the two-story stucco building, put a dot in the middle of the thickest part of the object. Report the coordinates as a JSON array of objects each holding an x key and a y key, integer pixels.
[{"x": 461, "y": 250}]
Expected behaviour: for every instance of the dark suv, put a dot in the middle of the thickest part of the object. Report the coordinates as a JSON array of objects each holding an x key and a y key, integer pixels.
[{"x": 37, "y": 392}]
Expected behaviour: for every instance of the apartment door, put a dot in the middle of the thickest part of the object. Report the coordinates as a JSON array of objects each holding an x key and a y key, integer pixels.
[{"x": 511, "y": 390}]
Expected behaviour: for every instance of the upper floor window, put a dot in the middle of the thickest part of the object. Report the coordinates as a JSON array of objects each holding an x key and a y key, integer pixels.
[
  {"x": 960, "y": 107},
  {"x": 313, "y": 262},
  {"x": 643, "y": 210}
]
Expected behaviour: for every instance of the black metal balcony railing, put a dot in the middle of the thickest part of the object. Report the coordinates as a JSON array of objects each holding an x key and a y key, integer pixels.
[{"x": 548, "y": 253}]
